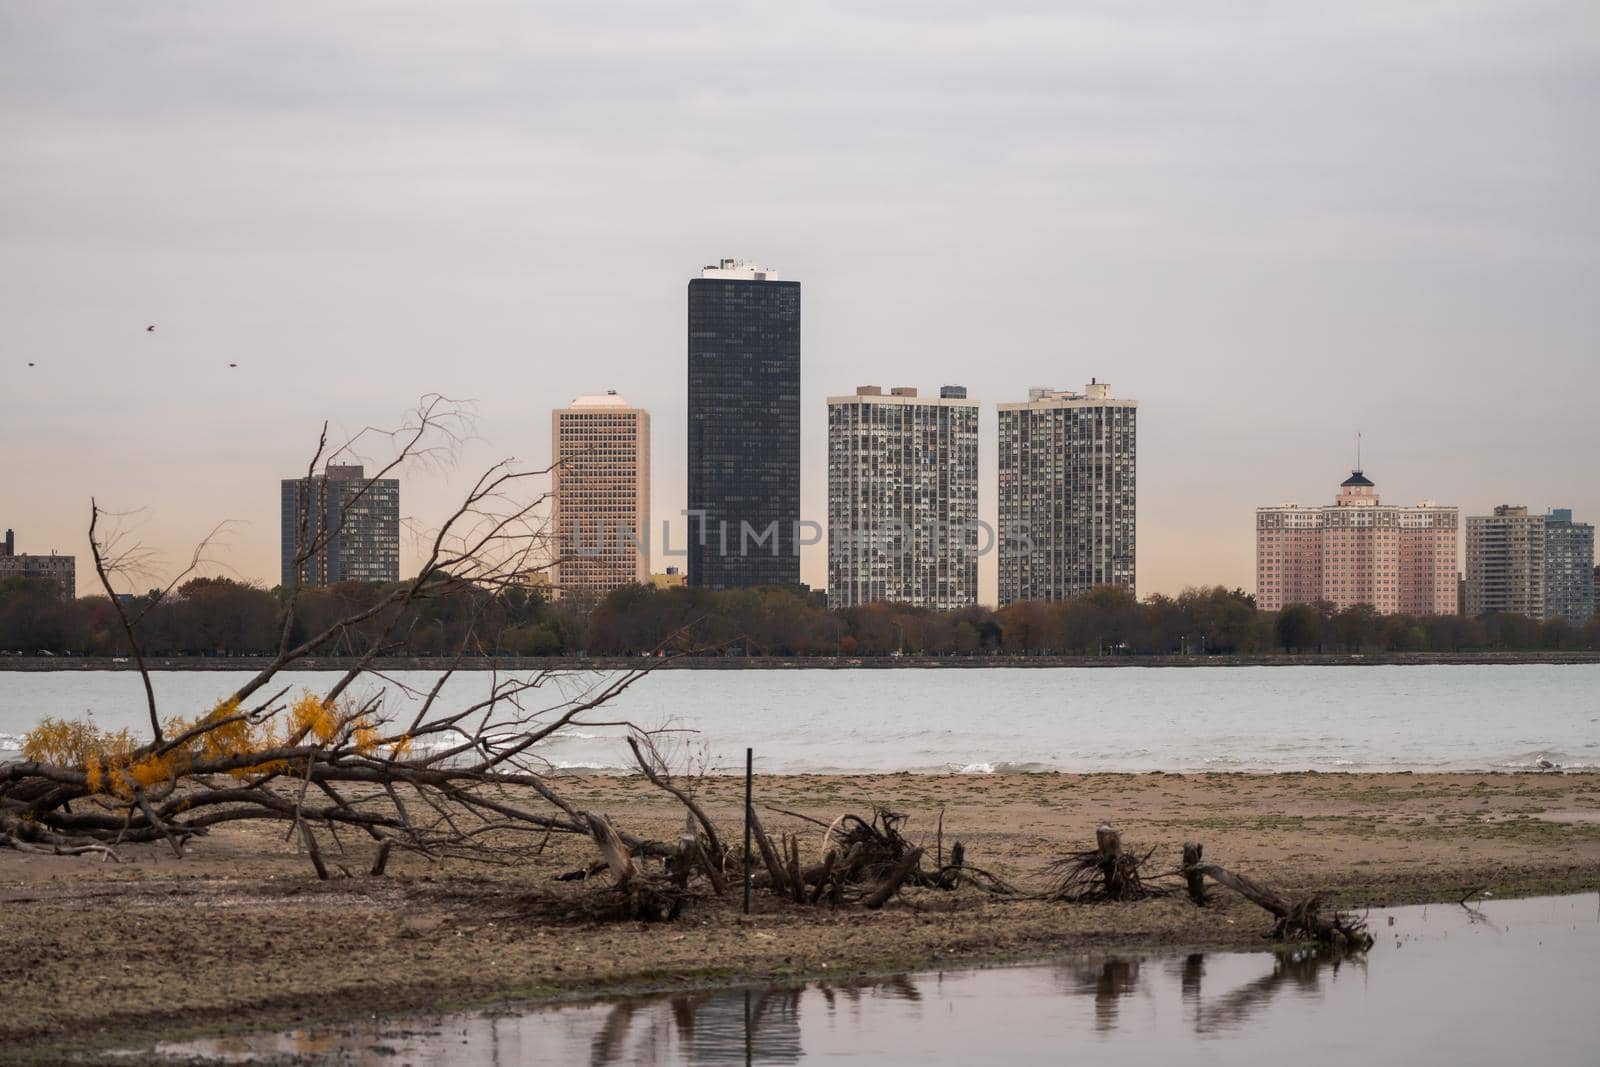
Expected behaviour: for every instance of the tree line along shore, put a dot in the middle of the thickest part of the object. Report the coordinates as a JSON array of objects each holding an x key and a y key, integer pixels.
[
  {"x": 211, "y": 618},
  {"x": 510, "y": 663}
]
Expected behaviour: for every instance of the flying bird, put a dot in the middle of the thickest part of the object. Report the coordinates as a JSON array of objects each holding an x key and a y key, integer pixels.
[
  {"x": 150, "y": 329},
  {"x": 30, "y": 364},
  {"x": 233, "y": 364}
]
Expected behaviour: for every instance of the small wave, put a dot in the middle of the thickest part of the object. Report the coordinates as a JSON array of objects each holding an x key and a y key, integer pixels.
[
  {"x": 593, "y": 768},
  {"x": 10, "y": 743},
  {"x": 1001, "y": 767},
  {"x": 1548, "y": 760},
  {"x": 576, "y": 735}
]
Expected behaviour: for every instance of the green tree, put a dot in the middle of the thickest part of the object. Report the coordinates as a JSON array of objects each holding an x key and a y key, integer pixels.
[{"x": 1299, "y": 627}]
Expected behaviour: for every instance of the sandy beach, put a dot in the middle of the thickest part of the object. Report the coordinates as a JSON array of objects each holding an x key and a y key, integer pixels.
[{"x": 241, "y": 934}]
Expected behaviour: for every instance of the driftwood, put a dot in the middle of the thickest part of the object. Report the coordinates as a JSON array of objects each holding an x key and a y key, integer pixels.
[
  {"x": 769, "y": 855},
  {"x": 635, "y": 894},
  {"x": 860, "y": 856},
  {"x": 314, "y": 851},
  {"x": 1103, "y": 873},
  {"x": 381, "y": 861},
  {"x": 654, "y": 768},
  {"x": 612, "y": 850},
  {"x": 797, "y": 885},
  {"x": 897, "y": 877},
  {"x": 713, "y": 869},
  {"x": 824, "y": 876},
  {"x": 1296, "y": 919},
  {"x": 1194, "y": 879}
]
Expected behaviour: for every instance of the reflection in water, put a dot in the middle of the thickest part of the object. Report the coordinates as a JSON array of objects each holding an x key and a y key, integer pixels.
[
  {"x": 1111, "y": 979},
  {"x": 757, "y": 1025},
  {"x": 1107, "y": 981},
  {"x": 1459, "y": 993},
  {"x": 1299, "y": 971}
]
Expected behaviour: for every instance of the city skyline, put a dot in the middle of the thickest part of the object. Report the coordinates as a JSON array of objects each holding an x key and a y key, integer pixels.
[
  {"x": 667, "y": 543},
  {"x": 1273, "y": 236}
]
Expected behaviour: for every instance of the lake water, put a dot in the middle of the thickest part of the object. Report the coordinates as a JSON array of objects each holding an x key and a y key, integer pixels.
[
  {"x": 1379, "y": 718},
  {"x": 1509, "y": 982}
]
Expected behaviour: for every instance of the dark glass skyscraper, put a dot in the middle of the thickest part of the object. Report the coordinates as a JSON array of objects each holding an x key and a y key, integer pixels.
[
  {"x": 744, "y": 428},
  {"x": 351, "y": 522}
]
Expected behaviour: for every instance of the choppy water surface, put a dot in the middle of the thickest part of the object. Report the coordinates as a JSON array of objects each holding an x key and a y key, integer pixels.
[
  {"x": 1380, "y": 718},
  {"x": 1509, "y": 982}
]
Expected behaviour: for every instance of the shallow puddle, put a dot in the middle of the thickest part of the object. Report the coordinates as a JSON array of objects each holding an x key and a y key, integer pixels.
[{"x": 1507, "y": 981}]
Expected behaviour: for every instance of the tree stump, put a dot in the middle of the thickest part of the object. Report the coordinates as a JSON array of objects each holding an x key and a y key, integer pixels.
[{"x": 1193, "y": 877}]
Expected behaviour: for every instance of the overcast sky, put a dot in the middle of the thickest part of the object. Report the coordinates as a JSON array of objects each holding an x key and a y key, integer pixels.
[{"x": 1273, "y": 224}]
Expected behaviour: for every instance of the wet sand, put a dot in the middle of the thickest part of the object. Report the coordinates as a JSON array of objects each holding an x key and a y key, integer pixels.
[{"x": 240, "y": 933}]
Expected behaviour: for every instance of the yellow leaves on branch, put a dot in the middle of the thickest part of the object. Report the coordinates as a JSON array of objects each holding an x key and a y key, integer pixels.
[
  {"x": 229, "y": 734},
  {"x": 149, "y": 771},
  {"x": 113, "y": 764},
  {"x": 108, "y": 759},
  {"x": 313, "y": 715},
  {"x": 71, "y": 744}
]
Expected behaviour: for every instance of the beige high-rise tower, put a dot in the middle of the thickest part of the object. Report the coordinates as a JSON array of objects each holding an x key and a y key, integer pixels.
[
  {"x": 601, "y": 517},
  {"x": 1505, "y": 563}
]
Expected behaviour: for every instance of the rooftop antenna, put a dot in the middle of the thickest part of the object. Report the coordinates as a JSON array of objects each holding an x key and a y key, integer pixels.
[{"x": 1358, "y": 450}]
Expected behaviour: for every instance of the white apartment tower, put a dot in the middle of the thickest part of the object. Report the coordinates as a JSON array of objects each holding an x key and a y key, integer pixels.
[
  {"x": 903, "y": 498},
  {"x": 1068, "y": 497},
  {"x": 601, "y": 488}
]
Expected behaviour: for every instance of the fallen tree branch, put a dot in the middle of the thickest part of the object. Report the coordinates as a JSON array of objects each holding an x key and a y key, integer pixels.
[{"x": 1296, "y": 918}]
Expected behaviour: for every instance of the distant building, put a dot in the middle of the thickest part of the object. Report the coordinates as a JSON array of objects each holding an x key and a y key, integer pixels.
[
  {"x": 744, "y": 428},
  {"x": 350, "y": 524},
  {"x": 1505, "y": 563},
  {"x": 63, "y": 570},
  {"x": 903, "y": 498},
  {"x": 602, "y": 496},
  {"x": 534, "y": 580},
  {"x": 1068, "y": 493},
  {"x": 672, "y": 578},
  {"x": 1359, "y": 551},
  {"x": 1568, "y": 567}
]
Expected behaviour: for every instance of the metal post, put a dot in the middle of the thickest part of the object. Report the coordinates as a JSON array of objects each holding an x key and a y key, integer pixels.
[{"x": 749, "y": 770}]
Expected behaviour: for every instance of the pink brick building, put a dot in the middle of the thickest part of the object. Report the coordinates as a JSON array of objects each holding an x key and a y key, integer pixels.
[{"x": 1358, "y": 551}]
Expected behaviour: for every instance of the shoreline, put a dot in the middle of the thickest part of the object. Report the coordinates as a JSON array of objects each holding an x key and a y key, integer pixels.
[
  {"x": 134, "y": 1047},
  {"x": 241, "y": 935},
  {"x": 621, "y": 663}
]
